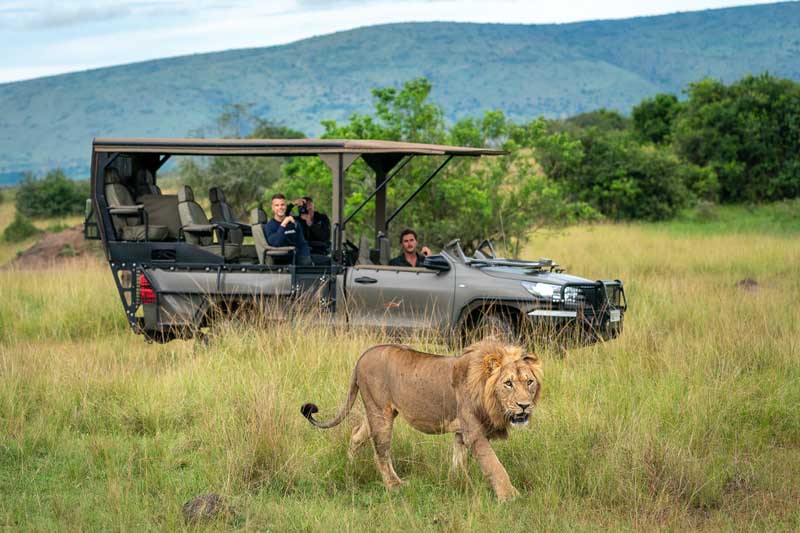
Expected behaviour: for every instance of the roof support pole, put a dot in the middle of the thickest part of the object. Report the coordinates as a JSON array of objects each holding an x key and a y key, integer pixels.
[
  {"x": 417, "y": 190},
  {"x": 338, "y": 165},
  {"x": 338, "y": 206},
  {"x": 381, "y": 166},
  {"x": 380, "y": 204}
]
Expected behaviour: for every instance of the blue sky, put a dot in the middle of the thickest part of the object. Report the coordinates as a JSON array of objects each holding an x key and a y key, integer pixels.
[{"x": 43, "y": 37}]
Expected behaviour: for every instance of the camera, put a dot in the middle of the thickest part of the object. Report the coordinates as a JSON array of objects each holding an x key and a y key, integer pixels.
[{"x": 302, "y": 209}]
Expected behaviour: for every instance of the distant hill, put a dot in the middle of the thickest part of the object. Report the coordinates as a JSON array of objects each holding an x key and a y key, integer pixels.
[{"x": 526, "y": 70}]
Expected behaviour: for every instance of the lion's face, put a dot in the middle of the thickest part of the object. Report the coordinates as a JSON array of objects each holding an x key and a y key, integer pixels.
[
  {"x": 516, "y": 390},
  {"x": 501, "y": 381}
]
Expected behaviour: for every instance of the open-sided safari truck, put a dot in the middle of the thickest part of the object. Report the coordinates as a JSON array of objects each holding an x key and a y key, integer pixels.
[{"x": 176, "y": 269}]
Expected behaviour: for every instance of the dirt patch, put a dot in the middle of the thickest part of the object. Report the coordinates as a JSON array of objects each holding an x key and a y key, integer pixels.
[
  {"x": 54, "y": 248},
  {"x": 748, "y": 284}
]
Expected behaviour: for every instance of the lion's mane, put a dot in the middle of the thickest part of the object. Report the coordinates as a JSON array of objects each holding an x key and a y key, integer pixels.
[{"x": 473, "y": 374}]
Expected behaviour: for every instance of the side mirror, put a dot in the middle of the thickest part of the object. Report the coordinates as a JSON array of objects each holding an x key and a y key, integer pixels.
[{"x": 436, "y": 262}]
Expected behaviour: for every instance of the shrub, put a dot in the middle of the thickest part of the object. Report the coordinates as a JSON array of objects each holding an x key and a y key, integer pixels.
[
  {"x": 51, "y": 196},
  {"x": 244, "y": 179},
  {"x": 21, "y": 228},
  {"x": 501, "y": 198},
  {"x": 602, "y": 119},
  {"x": 747, "y": 132},
  {"x": 653, "y": 117},
  {"x": 621, "y": 178}
]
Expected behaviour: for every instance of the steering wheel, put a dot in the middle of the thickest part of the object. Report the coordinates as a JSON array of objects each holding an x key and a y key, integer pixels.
[{"x": 350, "y": 253}]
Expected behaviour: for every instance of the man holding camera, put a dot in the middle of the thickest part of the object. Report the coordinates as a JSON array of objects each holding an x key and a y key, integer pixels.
[
  {"x": 282, "y": 230},
  {"x": 316, "y": 226},
  {"x": 409, "y": 256}
]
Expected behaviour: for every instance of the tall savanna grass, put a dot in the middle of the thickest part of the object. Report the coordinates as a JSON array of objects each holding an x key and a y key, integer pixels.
[{"x": 691, "y": 419}]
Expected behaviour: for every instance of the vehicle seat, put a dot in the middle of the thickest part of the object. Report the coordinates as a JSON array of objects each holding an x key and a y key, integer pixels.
[
  {"x": 222, "y": 212},
  {"x": 145, "y": 183},
  {"x": 127, "y": 216},
  {"x": 196, "y": 228},
  {"x": 384, "y": 249},
  {"x": 267, "y": 255},
  {"x": 363, "y": 252}
]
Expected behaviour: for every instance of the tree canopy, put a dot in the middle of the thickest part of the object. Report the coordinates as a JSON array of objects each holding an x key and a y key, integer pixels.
[
  {"x": 747, "y": 132},
  {"x": 501, "y": 198},
  {"x": 727, "y": 143}
]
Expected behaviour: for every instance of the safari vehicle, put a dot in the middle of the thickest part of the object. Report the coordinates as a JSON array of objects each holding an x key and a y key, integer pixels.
[{"x": 176, "y": 269}]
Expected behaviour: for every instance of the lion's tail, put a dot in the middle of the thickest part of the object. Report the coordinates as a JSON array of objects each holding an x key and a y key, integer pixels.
[{"x": 308, "y": 409}]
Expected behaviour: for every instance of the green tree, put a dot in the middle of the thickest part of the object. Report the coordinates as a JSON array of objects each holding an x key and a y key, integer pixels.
[
  {"x": 236, "y": 120},
  {"x": 653, "y": 117},
  {"x": 602, "y": 119},
  {"x": 21, "y": 228},
  {"x": 748, "y": 133},
  {"x": 243, "y": 179},
  {"x": 471, "y": 199},
  {"x": 51, "y": 196},
  {"x": 616, "y": 175}
]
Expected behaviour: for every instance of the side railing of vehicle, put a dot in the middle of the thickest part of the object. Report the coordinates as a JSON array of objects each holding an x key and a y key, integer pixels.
[
  {"x": 91, "y": 232},
  {"x": 162, "y": 312}
]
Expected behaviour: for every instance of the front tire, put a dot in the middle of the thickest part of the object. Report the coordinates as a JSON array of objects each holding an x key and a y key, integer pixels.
[{"x": 492, "y": 324}]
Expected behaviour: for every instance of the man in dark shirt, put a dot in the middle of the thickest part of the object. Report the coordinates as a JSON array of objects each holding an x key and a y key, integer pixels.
[
  {"x": 316, "y": 227},
  {"x": 410, "y": 257},
  {"x": 281, "y": 230}
]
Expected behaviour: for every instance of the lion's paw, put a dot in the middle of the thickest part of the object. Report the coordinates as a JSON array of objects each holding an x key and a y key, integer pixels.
[
  {"x": 395, "y": 484},
  {"x": 507, "y": 494}
]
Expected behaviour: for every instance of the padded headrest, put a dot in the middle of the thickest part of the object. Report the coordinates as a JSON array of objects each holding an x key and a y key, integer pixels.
[
  {"x": 363, "y": 251},
  {"x": 258, "y": 216},
  {"x": 185, "y": 194},
  {"x": 146, "y": 176},
  {"x": 384, "y": 249},
  {"x": 215, "y": 194},
  {"x": 112, "y": 176}
]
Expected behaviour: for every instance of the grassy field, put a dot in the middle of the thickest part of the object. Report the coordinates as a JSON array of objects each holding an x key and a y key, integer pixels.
[{"x": 691, "y": 420}]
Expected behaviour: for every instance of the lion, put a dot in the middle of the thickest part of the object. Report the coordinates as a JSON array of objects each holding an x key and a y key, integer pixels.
[{"x": 478, "y": 395}]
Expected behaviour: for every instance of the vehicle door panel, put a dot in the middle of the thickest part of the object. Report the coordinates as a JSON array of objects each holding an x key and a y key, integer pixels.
[{"x": 402, "y": 298}]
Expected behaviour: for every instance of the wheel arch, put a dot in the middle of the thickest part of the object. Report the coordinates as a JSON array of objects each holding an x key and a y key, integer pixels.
[{"x": 475, "y": 308}]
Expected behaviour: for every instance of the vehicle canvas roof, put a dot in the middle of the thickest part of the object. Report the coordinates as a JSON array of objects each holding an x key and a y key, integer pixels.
[{"x": 281, "y": 147}]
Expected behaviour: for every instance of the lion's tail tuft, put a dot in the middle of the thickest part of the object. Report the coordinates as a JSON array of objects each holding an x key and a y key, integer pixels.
[{"x": 308, "y": 411}]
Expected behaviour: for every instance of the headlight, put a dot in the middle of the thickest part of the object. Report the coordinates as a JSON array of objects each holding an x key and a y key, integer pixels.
[
  {"x": 543, "y": 290},
  {"x": 572, "y": 295}
]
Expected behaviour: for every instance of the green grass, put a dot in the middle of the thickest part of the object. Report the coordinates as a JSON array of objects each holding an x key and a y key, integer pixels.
[
  {"x": 690, "y": 420},
  {"x": 777, "y": 218}
]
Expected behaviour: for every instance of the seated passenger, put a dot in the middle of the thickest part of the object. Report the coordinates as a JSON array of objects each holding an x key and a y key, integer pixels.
[
  {"x": 281, "y": 230},
  {"x": 410, "y": 257},
  {"x": 316, "y": 226}
]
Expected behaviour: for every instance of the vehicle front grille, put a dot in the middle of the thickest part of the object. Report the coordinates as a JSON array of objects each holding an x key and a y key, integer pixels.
[
  {"x": 614, "y": 293},
  {"x": 591, "y": 299}
]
